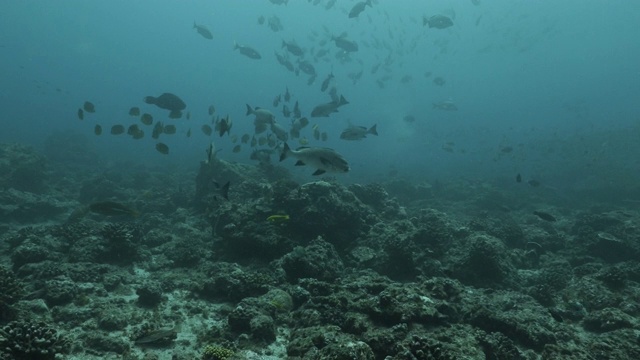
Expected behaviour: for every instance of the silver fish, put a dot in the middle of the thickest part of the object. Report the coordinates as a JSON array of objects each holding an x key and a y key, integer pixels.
[{"x": 322, "y": 159}]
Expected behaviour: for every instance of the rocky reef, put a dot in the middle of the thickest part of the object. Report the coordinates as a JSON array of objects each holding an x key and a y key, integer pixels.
[{"x": 315, "y": 270}]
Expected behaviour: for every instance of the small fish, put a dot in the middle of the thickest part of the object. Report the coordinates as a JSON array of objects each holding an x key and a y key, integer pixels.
[
  {"x": 111, "y": 208},
  {"x": 276, "y": 101},
  {"x": 287, "y": 95},
  {"x": 202, "y": 30},
  {"x": 439, "y": 81},
  {"x": 296, "y": 111},
  {"x": 189, "y": 132},
  {"x": 97, "y": 130},
  {"x": 89, "y": 107},
  {"x": 161, "y": 336},
  {"x": 117, "y": 129},
  {"x": 212, "y": 109},
  {"x": 278, "y": 218},
  {"x": 157, "y": 130},
  {"x": 236, "y": 149},
  {"x": 80, "y": 114},
  {"x": 146, "y": 119},
  {"x": 206, "y": 129},
  {"x": 325, "y": 83},
  {"x": 134, "y": 111},
  {"x": 545, "y": 216},
  {"x": 324, "y": 136},
  {"x": 162, "y": 148},
  {"x": 169, "y": 129},
  {"x": 447, "y": 105},
  {"x": 518, "y": 178},
  {"x": 261, "y": 20},
  {"x": 245, "y": 138},
  {"x": 285, "y": 111},
  {"x": 223, "y": 125},
  {"x": 247, "y": 51},
  {"x": 437, "y": 21},
  {"x": 358, "y": 8},
  {"x": 358, "y": 132},
  {"x": 293, "y": 48}
]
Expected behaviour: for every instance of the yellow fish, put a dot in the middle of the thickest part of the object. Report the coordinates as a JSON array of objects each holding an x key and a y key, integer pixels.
[{"x": 278, "y": 218}]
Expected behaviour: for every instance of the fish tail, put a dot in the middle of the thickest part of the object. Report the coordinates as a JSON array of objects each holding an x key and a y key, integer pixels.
[
  {"x": 285, "y": 151},
  {"x": 373, "y": 130},
  {"x": 249, "y": 110}
]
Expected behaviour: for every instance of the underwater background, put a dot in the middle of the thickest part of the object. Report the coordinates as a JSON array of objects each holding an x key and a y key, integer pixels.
[{"x": 492, "y": 214}]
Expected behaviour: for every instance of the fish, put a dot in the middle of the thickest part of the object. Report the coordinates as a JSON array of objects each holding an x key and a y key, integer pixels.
[
  {"x": 279, "y": 2},
  {"x": 169, "y": 129},
  {"x": 247, "y": 51},
  {"x": 446, "y": 105},
  {"x": 223, "y": 125},
  {"x": 518, "y": 178},
  {"x": 285, "y": 111},
  {"x": 297, "y": 125},
  {"x": 80, "y": 114},
  {"x": 307, "y": 67},
  {"x": 409, "y": 118},
  {"x": 296, "y": 110},
  {"x": 162, "y": 148},
  {"x": 206, "y": 129},
  {"x": 285, "y": 62},
  {"x": 345, "y": 44},
  {"x": 112, "y": 208},
  {"x": 211, "y": 152},
  {"x": 293, "y": 48},
  {"x": 278, "y": 218},
  {"x": 212, "y": 109},
  {"x": 358, "y": 8},
  {"x": 146, "y": 119},
  {"x": 261, "y": 155},
  {"x": 263, "y": 117},
  {"x": 437, "y": 21},
  {"x": 189, "y": 132},
  {"x": 545, "y": 216},
  {"x": 237, "y": 148},
  {"x": 276, "y": 101},
  {"x": 261, "y": 20},
  {"x": 157, "y": 130},
  {"x": 287, "y": 95},
  {"x": 202, "y": 30},
  {"x": 358, "y": 132},
  {"x": 234, "y": 139},
  {"x": 324, "y": 136},
  {"x": 325, "y": 83},
  {"x": 117, "y": 129},
  {"x": 89, "y": 107},
  {"x": 132, "y": 129},
  {"x": 167, "y": 101},
  {"x": 324, "y": 110},
  {"x": 316, "y": 133},
  {"x": 245, "y": 138},
  {"x": 322, "y": 159},
  {"x": 274, "y": 23},
  {"x": 97, "y": 130},
  {"x": 158, "y": 337},
  {"x": 134, "y": 111},
  {"x": 438, "y": 80}
]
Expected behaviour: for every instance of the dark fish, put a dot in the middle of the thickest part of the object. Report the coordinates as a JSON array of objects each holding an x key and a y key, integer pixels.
[
  {"x": 146, "y": 119},
  {"x": 80, "y": 114},
  {"x": 358, "y": 132},
  {"x": 285, "y": 62},
  {"x": 287, "y": 95},
  {"x": 202, "y": 30},
  {"x": 117, "y": 129},
  {"x": 162, "y": 148},
  {"x": 324, "y": 110},
  {"x": 276, "y": 101},
  {"x": 245, "y": 138},
  {"x": 111, "y": 208},
  {"x": 236, "y": 149},
  {"x": 161, "y": 336},
  {"x": 437, "y": 21},
  {"x": 89, "y": 107},
  {"x": 325, "y": 83},
  {"x": 506, "y": 149},
  {"x": 175, "y": 114},
  {"x": 345, "y": 44},
  {"x": 296, "y": 110},
  {"x": 307, "y": 67},
  {"x": 247, "y": 51},
  {"x": 358, "y": 8},
  {"x": 293, "y": 48},
  {"x": 446, "y": 105},
  {"x": 518, "y": 178},
  {"x": 157, "y": 130},
  {"x": 223, "y": 125},
  {"x": 167, "y": 101},
  {"x": 134, "y": 111},
  {"x": 97, "y": 130},
  {"x": 285, "y": 111},
  {"x": 545, "y": 216},
  {"x": 212, "y": 109},
  {"x": 409, "y": 118},
  {"x": 206, "y": 129},
  {"x": 138, "y": 135},
  {"x": 132, "y": 130},
  {"x": 261, "y": 20},
  {"x": 169, "y": 129}
]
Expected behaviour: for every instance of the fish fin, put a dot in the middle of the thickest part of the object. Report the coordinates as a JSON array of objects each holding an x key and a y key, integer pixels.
[
  {"x": 249, "y": 110},
  {"x": 300, "y": 163},
  {"x": 319, "y": 172},
  {"x": 373, "y": 130},
  {"x": 225, "y": 190},
  {"x": 342, "y": 101}
]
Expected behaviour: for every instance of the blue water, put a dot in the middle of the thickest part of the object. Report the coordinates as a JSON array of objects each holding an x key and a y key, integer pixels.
[{"x": 559, "y": 82}]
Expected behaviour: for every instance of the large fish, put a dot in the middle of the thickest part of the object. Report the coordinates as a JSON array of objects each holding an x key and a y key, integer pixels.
[
  {"x": 345, "y": 44},
  {"x": 322, "y": 159},
  {"x": 247, "y": 51},
  {"x": 324, "y": 110},
  {"x": 437, "y": 21},
  {"x": 202, "y": 30},
  {"x": 358, "y": 132},
  {"x": 358, "y": 8},
  {"x": 169, "y": 102}
]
